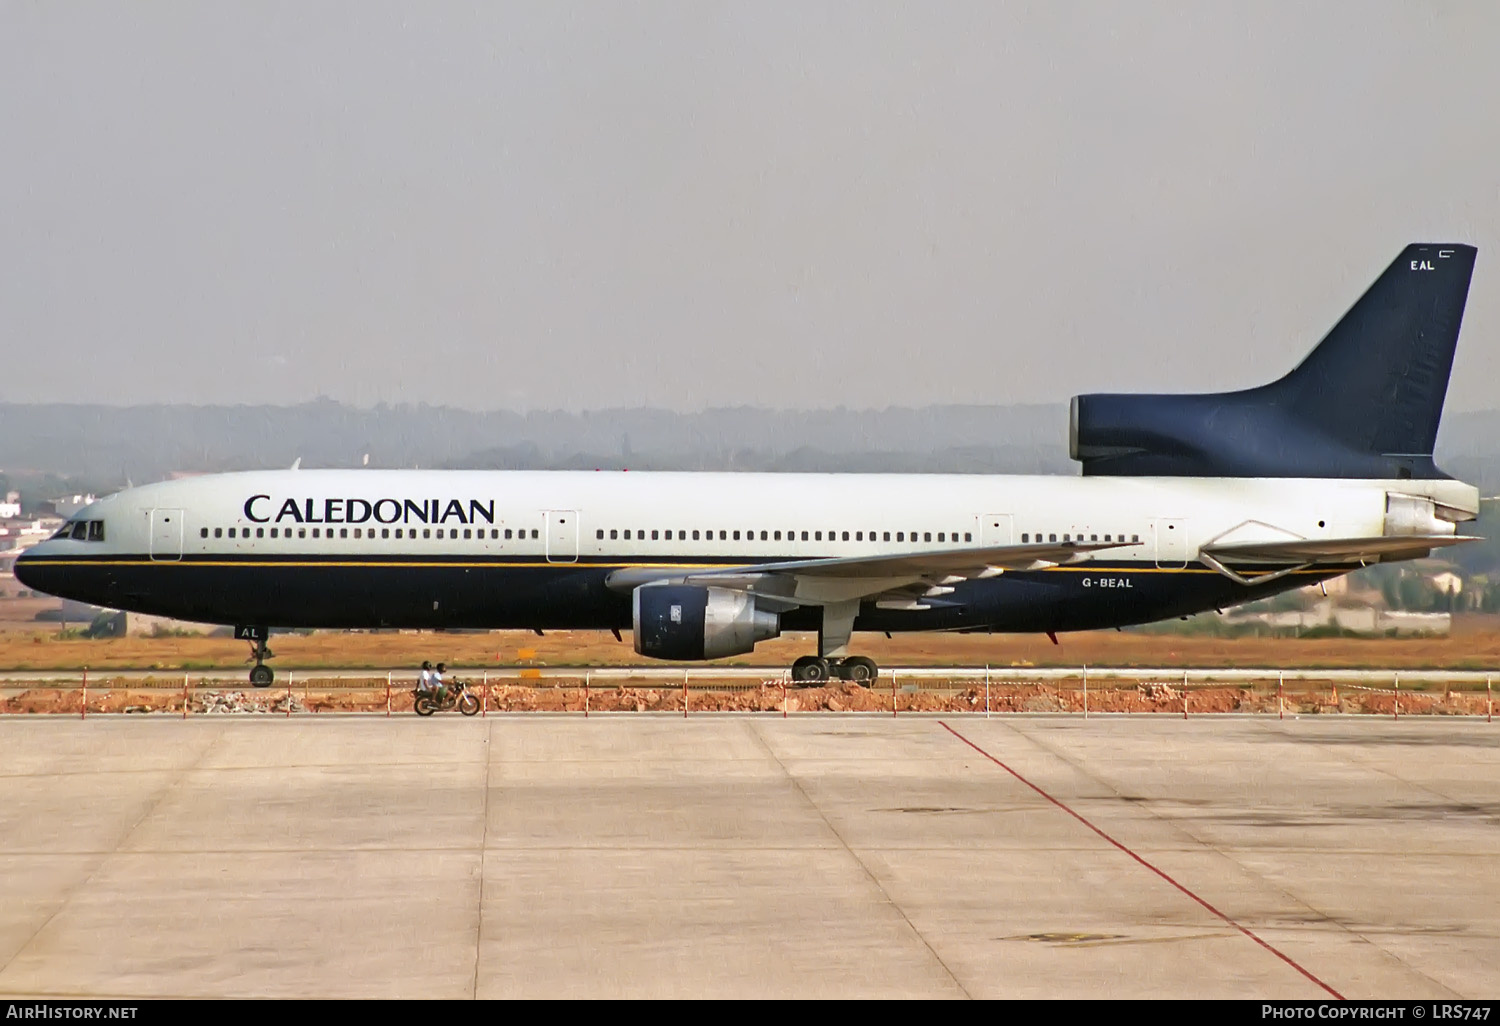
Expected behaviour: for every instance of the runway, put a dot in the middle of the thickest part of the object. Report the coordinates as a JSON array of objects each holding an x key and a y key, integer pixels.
[{"x": 749, "y": 856}]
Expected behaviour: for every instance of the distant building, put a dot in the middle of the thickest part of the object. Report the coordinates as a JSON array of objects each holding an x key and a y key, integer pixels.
[
  {"x": 1447, "y": 581},
  {"x": 67, "y": 505},
  {"x": 9, "y": 510}
]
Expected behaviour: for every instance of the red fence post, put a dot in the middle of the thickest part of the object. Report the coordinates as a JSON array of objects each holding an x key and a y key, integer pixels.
[
  {"x": 684, "y": 694},
  {"x": 1397, "y": 712},
  {"x": 184, "y": 695},
  {"x": 83, "y": 711},
  {"x": 387, "y": 693},
  {"x": 1280, "y": 694},
  {"x": 586, "y": 694},
  {"x": 288, "y": 695},
  {"x": 484, "y": 705}
]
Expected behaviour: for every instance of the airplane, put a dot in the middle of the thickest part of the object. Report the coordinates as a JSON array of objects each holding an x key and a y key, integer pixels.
[{"x": 1185, "y": 503}]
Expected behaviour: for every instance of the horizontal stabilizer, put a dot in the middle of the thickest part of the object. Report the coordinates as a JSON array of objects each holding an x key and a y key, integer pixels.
[{"x": 1333, "y": 550}]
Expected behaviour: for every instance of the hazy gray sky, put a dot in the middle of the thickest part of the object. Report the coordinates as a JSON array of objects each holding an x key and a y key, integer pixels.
[{"x": 575, "y": 205}]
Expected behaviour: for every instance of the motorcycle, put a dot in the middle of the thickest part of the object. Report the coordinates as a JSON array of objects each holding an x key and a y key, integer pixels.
[{"x": 455, "y": 694}]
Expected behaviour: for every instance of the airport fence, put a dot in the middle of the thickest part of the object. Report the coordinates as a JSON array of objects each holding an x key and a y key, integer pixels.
[{"x": 990, "y": 691}]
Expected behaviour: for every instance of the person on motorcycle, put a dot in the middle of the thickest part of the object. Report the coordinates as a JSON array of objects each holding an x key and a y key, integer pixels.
[
  {"x": 440, "y": 690},
  {"x": 424, "y": 680}
]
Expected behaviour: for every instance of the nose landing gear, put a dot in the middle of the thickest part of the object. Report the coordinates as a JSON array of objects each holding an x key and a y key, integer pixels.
[{"x": 261, "y": 675}]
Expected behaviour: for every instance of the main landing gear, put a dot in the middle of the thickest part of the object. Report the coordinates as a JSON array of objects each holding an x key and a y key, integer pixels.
[
  {"x": 261, "y": 675},
  {"x": 833, "y": 639},
  {"x": 816, "y": 669}
]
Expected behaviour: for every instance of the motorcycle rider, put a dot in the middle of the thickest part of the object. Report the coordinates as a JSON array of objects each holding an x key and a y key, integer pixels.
[
  {"x": 424, "y": 680},
  {"x": 440, "y": 689}
]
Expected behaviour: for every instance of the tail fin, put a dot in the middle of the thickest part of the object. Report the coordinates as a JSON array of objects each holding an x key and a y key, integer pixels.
[{"x": 1365, "y": 402}]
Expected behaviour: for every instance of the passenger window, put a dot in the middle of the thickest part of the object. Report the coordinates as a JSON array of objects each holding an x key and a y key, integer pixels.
[
  {"x": 846, "y": 536},
  {"x": 940, "y": 536},
  {"x": 439, "y": 532},
  {"x": 301, "y": 532},
  {"x": 763, "y": 535},
  {"x": 888, "y": 535},
  {"x": 507, "y": 534},
  {"x": 817, "y": 535},
  {"x": 1025, "y": 538},
  {"x": 1135, "y": 538},
  {"x": 466, "y": 532},
  {"x": 398, "y": 532},
  {"x": 901, "y": 536},
  {"x": 202, "y": 532},
  {"x": 695, "y": 536},
  {"x": 968, "y": 536},
  {"x": 778, "y": 535},
  {"x": 274, "y": 532},
  {"x": 859, "y": 536},
  {"x": 426, "y": 532},
  {"x": 804, "y": 536},
  {"x": 533, "y": 532},
  {"x": 260, "y": 532},
  {"x": 79, "y": 533},
  {"x": 385, "y": 532},
  {"x": 724, "y": 535},
  {"x": 343, "y": 532},
  {"x": 736, "y": 536},
  {"x": 1052, "y": 537},
  {"x": 1093, "y": 537},
  {"x": 655, "y": 535},
  {"x": 218, "y": 532},
  {"x": 614, "y": 534},
  {"x": 317, "y": 529}
]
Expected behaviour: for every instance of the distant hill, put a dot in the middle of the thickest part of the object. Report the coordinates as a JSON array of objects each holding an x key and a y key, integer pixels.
[{"x": 101, "y": 447}]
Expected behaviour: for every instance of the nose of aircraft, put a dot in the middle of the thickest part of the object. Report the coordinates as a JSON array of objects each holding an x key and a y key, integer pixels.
[{"x": 31, "y": 572}]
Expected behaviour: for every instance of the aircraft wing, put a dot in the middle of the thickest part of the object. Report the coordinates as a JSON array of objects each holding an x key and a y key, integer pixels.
[
  {"x": 901, "y": 578},
  {"x": 1331, "y": 550}
]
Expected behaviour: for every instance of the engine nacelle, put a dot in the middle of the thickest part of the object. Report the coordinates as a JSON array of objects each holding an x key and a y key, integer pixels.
[{"x": 678, "y": 621}]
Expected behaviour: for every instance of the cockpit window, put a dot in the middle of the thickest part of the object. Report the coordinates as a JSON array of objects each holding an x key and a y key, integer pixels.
[{"x": 81, "y": 530}]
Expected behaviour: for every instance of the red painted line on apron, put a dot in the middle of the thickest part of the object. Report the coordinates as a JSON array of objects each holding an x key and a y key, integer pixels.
[{"x": 1284, "y": 957}]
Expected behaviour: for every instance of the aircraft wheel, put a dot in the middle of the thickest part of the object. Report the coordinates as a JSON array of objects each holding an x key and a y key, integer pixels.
[
  {"x": 261, "y": 676},
  {"x": 860, "y": 670},
  {"x": 810, "y": 670}
]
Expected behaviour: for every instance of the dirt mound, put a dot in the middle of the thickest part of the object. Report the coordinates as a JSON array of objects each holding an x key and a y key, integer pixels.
[{"x": 767, "y": 698}]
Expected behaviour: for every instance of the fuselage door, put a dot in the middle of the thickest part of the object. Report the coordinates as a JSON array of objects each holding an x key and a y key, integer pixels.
[
  {"x": 1171, "y": 543},
  {"x": 166, "y": 535},
  {"x": 562, "y": 535},
  {"x": 995, "y": 529}
]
